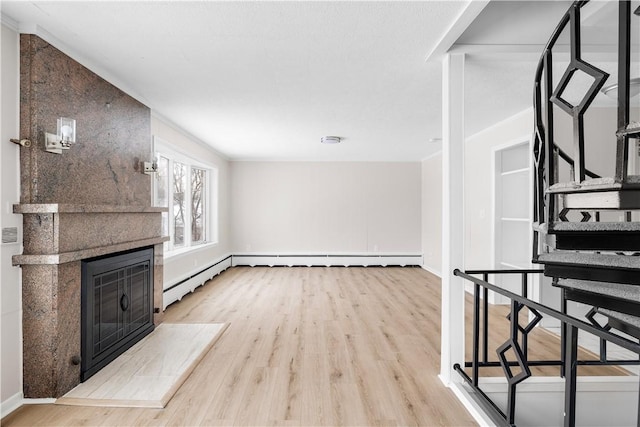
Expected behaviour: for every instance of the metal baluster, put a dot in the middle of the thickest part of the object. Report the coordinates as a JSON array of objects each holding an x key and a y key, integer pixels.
[
  {"x": 476, "y": 332},
  {"x": 563, "y": 330},
  {"x": 571, "y": 371},
  {"x": 578, "y": 119},
  {"x": 624, "y": 65},
  {"x": 485, "y": 320},
  {"x": 525, "y": 336},
  {"x": 550, "y": 158},
  {"x": 511, "y": 397}
]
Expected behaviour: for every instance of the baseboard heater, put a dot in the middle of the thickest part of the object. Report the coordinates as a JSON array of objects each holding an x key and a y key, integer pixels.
[
  {"x": 186, "y": 285},
  {"x": 176, "y": 291},
  {"x": 326, "y": 260}
]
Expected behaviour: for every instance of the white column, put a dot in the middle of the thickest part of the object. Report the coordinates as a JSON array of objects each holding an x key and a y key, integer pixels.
[{"x": 452, "y": 335}]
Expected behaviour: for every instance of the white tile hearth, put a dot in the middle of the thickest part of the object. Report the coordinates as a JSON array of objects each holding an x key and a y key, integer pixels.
[{"x": 149, "y": 373}]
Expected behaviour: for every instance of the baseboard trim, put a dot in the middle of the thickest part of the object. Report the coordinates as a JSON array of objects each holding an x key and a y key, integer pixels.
[
  {"x": 471, "y": 405},
  {"x": 432, "y": 270},
  {"x": 326, "y": 260},
  {"x": 43, "y": 401},
  {"x": 178, "y": 288},
  {"x": 11, "y": 404},
  {"x": 187, "y": 284}
]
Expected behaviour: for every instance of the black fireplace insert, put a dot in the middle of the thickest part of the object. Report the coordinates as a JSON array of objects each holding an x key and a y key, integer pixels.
[{"x": 117, "y": 306}]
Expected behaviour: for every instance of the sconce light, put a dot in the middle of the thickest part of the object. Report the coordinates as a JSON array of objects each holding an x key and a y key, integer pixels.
[{"x": 63, "y": 139}]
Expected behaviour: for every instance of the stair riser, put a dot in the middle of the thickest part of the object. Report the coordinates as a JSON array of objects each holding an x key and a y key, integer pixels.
[
  {"x": 602, "y": 200},
  {"x": 603, "y": 301},
  {"x": 591, "y": 272},
  {"x": 624, "y": 327},
  {"x": 595, "y": 241}
]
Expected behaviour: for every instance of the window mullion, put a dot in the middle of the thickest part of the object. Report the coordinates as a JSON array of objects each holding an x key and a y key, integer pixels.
[
  {"x": 172, "y": 226},
  {"x": 187, "y": 207},
  {"x": 205, "y": 207}
]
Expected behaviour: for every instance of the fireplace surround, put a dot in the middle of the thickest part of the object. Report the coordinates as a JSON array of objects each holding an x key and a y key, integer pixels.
[
  {"x": 57, "y": 238},
  {"x": 89, "y": 201}
]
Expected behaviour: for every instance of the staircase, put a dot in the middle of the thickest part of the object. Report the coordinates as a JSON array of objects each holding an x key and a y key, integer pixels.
[
  {"x": 586, "y": 229},
  {"x": 593, "y": 262}
]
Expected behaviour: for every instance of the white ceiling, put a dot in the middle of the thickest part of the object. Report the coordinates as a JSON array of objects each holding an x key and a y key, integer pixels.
[{"x": 266, "y": 80}]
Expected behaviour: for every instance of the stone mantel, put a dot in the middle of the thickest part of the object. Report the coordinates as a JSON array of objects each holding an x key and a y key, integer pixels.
[
  {"x": 84, "y": 254},
  {"x": 51, "y": 211},
  {"x": 59, "y": 233},
  {"x": 30, "y": 208},
  {"x": 42, "y": 210}
]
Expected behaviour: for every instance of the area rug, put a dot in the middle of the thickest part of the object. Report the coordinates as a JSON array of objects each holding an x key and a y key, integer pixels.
[{"x": 149, "y": 373}]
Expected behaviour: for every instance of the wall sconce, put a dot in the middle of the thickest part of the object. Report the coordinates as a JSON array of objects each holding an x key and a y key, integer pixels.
[{"x": 63, "y": 139}]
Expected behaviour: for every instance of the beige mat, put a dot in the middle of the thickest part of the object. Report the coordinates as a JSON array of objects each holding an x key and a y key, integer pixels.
[{"x": 149, "y": 373}]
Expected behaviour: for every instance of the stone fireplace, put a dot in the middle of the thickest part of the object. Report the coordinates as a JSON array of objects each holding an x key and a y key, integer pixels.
[{"x": 90, "y": 201}]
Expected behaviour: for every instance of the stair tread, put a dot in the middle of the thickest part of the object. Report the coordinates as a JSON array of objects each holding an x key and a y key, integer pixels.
[
  {"x": 591, "y": 259},
  {"x": 617, "y": 290},
  {"x": 596, "y": 226},
  {"x": 627, "y": 318},
  {"x": 596, "y": 184}
]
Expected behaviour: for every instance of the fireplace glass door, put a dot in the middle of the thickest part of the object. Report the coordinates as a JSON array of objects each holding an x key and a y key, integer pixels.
[{"x": 117, "y": 306}]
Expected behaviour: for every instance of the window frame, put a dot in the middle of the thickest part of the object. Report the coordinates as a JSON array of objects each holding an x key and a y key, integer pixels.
[{"x": 165, "y": 149}]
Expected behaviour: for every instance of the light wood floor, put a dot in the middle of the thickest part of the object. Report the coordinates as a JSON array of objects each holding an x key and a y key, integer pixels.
[{"x": 305, "y": 346}]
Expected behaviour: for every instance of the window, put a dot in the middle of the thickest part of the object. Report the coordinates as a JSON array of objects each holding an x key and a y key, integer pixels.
[{"x": 188, "y": 188}]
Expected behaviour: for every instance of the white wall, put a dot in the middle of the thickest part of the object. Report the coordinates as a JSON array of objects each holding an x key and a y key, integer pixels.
[
  {"x": 600, "y": 126},
  {"x": 325, "y": 207},
  {"x": 10, "y": 285},
  {"x": 179, "y": 267},
  {"x": 479, "y": 148},
  {"x": 432, "y": 213},
  {"x": 478, "y": 185}
]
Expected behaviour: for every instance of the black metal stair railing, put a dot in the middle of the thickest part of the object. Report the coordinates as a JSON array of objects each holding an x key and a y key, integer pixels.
[
  {"x": 591, "y": 261},
  {"x": 518, "y": 343},
  {"x": 550, "y": 195}
]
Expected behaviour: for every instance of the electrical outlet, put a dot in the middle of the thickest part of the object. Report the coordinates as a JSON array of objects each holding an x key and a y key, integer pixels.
[
  {"x": 10, "y": 235},
  {"x": 149, "y": 167}
]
